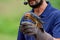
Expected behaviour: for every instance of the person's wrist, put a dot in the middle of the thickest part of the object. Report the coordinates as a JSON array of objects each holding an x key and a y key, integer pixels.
[{"x": 39, "y": 35}]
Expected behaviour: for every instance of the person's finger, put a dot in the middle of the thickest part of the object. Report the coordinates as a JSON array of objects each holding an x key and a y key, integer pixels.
[
  {"x": 28, "y": 31},
  {"x": 27, "y": 23}
]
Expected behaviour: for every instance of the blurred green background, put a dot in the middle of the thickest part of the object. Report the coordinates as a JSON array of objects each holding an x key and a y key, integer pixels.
[{"x": 11, "y": 12}]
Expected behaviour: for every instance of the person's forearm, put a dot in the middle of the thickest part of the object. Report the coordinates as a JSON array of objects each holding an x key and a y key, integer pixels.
[
  {"x": 56, "y": 38},
  {"x": 44, "y": 36}
]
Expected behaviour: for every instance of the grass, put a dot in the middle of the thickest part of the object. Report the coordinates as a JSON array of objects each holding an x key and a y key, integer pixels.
[
  {"x": 7, "y": 37},
  {"x": 11, "y": 12}
]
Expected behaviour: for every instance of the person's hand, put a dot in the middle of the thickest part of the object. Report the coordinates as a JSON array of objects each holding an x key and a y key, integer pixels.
[{"x": 29, "y": 28}]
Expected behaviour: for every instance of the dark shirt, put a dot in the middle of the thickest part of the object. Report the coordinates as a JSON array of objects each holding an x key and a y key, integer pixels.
[{"x": 51, "y": 19}]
